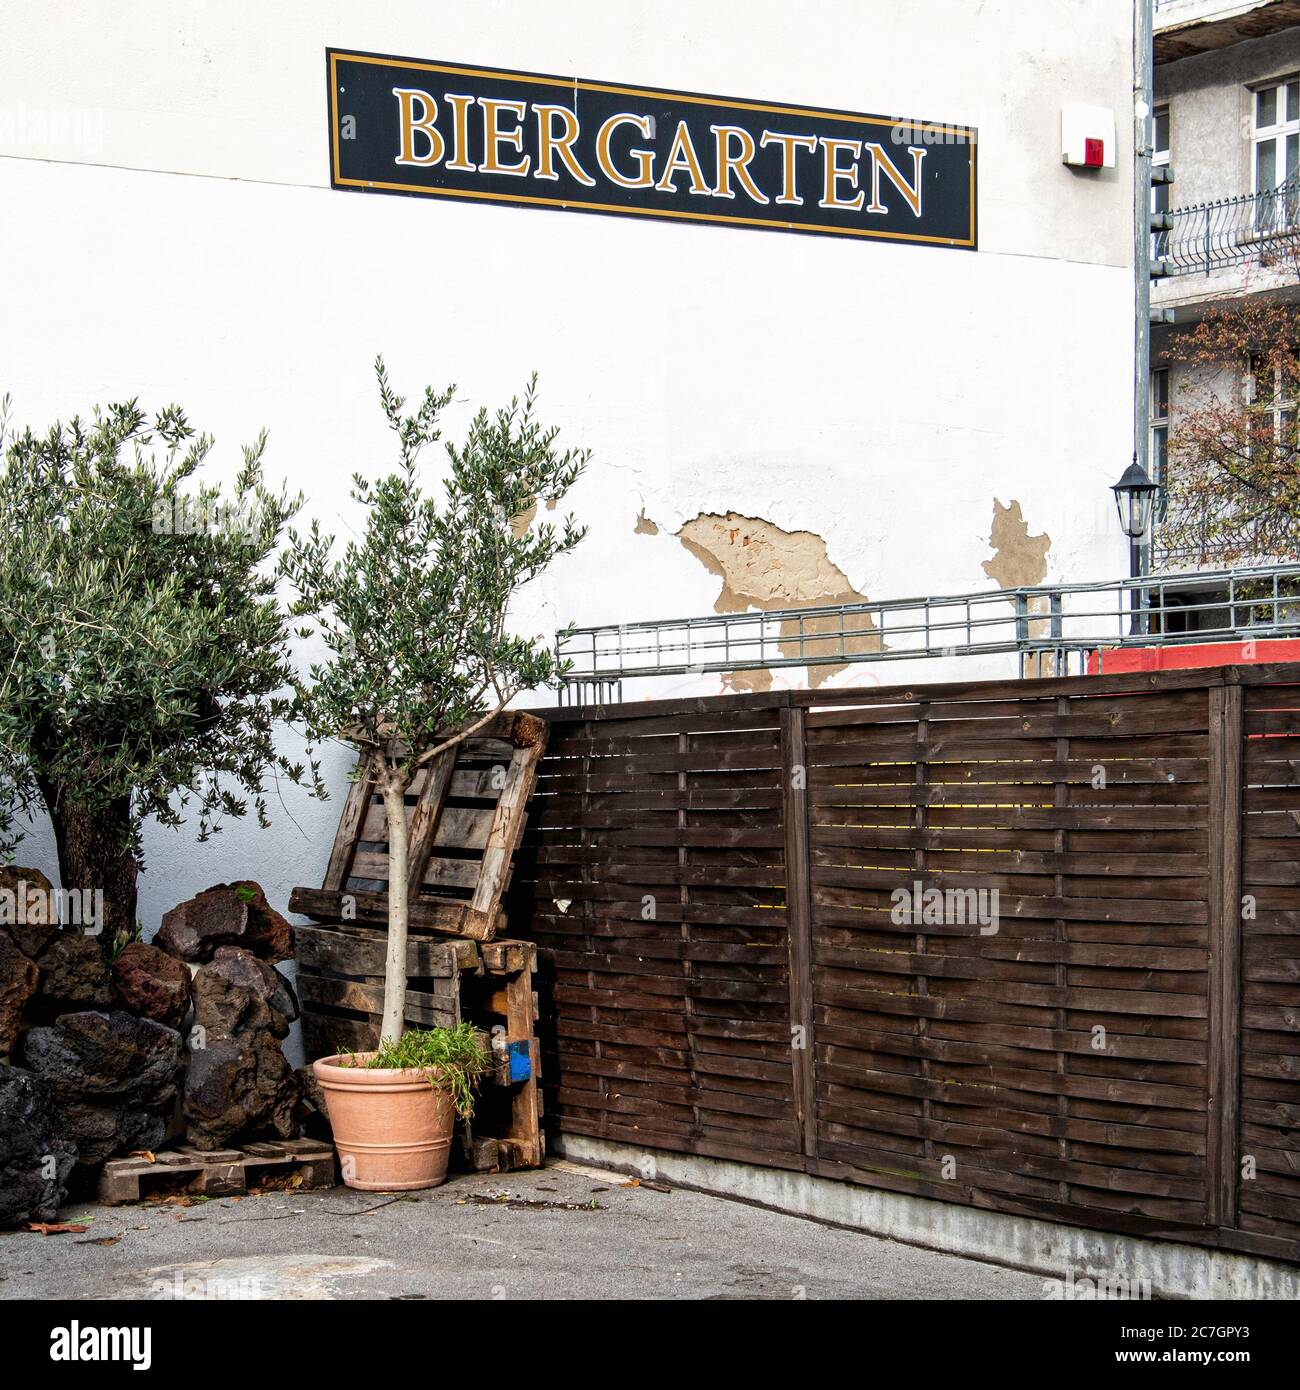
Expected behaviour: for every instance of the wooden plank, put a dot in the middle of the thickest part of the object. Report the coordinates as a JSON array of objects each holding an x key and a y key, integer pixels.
[
  {"x": 422, "y": 1007},
  {"x": 345, "y": 837},
  {"x": 425, "y": 820},
  {"x": 507, "y": 825},
  {"x": 363, "y": 953},
  {"x": 454, "y": 919},
  {"x": 798, "y": 916},
  {"x": 1226, "y": 737}
]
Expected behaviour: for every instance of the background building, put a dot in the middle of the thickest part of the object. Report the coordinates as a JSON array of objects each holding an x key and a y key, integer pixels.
[
  {"x": 1227, "y": 120},
  {"x": 776, "y": 419}
]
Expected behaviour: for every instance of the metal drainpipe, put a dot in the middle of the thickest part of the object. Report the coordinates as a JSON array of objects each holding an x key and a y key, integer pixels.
[{"x": 1143, "y": 98}]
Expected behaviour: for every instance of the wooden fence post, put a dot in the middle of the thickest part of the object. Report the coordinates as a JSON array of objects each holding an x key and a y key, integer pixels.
[
  {"x": 1224, "y": 1021},
  {"x": 798, "y": 915}
]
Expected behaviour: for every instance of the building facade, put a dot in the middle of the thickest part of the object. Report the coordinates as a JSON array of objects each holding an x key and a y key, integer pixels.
[
  {"x": 778, "y": 418},
  {"x": 1227, "y": 121}
]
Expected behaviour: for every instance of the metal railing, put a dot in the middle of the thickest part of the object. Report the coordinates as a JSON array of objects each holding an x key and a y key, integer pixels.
[
  {"x": 1053, "y": 629},
  {"x": 1229, "y": 231}
]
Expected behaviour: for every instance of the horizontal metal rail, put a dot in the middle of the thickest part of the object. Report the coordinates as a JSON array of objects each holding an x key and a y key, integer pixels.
[
  {"x": 1229, "y": 231},
  {"x": 1064, "y": 623}
]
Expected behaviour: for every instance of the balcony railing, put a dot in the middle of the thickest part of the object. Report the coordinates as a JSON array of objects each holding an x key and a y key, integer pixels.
[{"x": 1230, "y": 231}]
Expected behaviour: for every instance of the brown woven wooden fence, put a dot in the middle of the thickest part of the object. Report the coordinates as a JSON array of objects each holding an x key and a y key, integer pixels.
[{"x": 1089, "y": 1012}]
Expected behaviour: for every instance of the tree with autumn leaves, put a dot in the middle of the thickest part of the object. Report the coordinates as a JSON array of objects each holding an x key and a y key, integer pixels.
[{"x": 1234, "y": 466}]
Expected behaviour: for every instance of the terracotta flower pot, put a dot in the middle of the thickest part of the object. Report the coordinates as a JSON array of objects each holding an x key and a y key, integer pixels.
[{"x": 392, "y": 1128}]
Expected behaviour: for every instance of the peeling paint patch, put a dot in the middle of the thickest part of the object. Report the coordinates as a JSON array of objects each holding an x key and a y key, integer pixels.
[
  {"x": 644, "y": 526},
  {"x": 761, "y": 566},
  {"x": 746, "y": 682},
  {"x": 520, "y": 523},
  {"x": 1019, "y": 559}
]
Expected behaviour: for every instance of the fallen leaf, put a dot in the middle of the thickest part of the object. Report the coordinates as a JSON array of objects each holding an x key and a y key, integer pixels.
[
  {"x": 147, "y": 1154},
  {"x": 57, "y": 1228},
  {"x": 632, "y": 1182}
]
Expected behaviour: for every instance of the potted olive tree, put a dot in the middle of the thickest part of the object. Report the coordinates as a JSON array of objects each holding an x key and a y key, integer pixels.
[{"x": 413, "y": 618}]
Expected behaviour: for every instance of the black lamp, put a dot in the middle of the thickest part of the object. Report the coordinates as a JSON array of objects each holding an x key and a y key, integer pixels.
[{"x": 1134, "y": 494}]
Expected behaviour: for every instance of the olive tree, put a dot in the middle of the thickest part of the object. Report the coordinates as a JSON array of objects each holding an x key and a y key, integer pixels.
[
  {"x": 413, "y": 613},
  {"x": 144, "y": 653}
]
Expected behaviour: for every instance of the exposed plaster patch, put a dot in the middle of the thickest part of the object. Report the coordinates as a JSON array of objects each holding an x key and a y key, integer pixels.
[
  {"x": 746, "y": 682},
  {"x": 520, "y": 523},
  {"x": 761, "y": 566},
  {"x": 644, "y": 526},
  {"x": 1020, "y": 561}
]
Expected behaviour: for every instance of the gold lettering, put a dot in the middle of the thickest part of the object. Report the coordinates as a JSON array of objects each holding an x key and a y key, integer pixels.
[
  {"x": 882, "y": 164},
  {"x": 494, "y": 137},
  {"x": 737, "y": 164},
  {"x": 548, "y": 143},
  {"x": 644, "y": 177},
  {"x": 681, "y": 155},
  {"x": 412, "y": 122},
  {"x": 789, "y": 143},
  {"x": 833, "y": 173},
  {"x": 460, "y": 105}
]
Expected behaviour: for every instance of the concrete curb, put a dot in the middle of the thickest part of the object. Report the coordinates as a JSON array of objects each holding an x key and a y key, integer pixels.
[{"x": 1076, "y": 1263}]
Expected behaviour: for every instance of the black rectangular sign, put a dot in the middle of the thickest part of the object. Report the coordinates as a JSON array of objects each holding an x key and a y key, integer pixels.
[{"x": 452, "y": 131}]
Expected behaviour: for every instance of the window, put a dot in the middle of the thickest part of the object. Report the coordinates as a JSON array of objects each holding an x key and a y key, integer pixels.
[
  {"x": 1276, "y": 160},
  {"x": 1269, "y": 385},
  {"x": 1160, "y": 437},
  {"x": 1159, "y": 160}
]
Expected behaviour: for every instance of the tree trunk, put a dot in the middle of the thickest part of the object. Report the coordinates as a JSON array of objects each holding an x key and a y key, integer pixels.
[
  {"x": 95, "y": 859},
  {"x": 394, "y": 1021}
]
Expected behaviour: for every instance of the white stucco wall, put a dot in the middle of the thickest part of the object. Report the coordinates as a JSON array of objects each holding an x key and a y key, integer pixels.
[{"x": 169, "y": 233}]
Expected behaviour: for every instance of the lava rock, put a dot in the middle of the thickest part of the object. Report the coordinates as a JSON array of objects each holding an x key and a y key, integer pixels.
[
  {"x": 228, "y": 914},
  {"x": 35, "y": 1159},
  {"x": 27, "y": 909},
  {"x": 74, "y": 974},
  {"x": 114, "y": 1055},
  {"x": 18, "y": 978},
  {"x": 237, "y": 993},
  {"x": 269, "y": 935},
  {"x": 239, "y": 1088},
  {"x": 194, "y": 929},
  {"x": 152, "y": 984},
  {"x": 101, "y": 1132}
]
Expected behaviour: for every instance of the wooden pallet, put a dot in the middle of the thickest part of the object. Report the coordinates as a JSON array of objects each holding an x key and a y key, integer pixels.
[
  {"x": 219, "y": 1173},
  {"x": 489, "y": 984},
  {"x": 465, "y": 814}
]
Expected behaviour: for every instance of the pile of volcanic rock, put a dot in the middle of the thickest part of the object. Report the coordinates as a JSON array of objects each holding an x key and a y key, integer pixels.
[{"x": 179, "y": 1040}]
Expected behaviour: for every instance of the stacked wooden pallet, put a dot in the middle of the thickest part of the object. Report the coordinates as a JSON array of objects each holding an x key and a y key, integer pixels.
[{"x": 465, "y": 813}]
